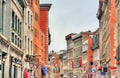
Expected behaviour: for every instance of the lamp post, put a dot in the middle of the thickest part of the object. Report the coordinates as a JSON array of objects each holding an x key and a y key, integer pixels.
[{"x": 31, "y": 63}]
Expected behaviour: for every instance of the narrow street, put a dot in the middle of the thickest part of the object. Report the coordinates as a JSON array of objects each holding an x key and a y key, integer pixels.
[{"x": 59, "y": 39}]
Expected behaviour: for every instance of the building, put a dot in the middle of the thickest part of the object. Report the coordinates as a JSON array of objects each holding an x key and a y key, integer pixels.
[
  {"x": 77, "y": 52},
  {"x": 84, "y": 58},
  {"x": 117, "y": 34},
  {"x": 107, "y": 21},
  {"x": 11, "y": 26},
  {"x": 96, "y": 54},
  {"x": 28, "y": 37},
  {"x": 86, "y": 54},
  {"x": 56, "y": 64},
  {"x": 65, "y": 63},
  {"x": 70, "y": 59},
  {"x": 44, "y": 20}
]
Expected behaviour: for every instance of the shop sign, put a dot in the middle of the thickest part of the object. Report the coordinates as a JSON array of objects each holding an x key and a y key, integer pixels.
[{"x": 102, "y": 73}]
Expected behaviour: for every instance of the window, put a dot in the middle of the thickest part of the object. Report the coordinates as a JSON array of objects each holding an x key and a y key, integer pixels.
[
  {"x": 15, "y": 40},
  {"x": 31, "y": 20},
  {"x": 13, "y": 14},
  {"x": 28, "y": 18},
  {"x": 36, "y": 16},
  {"x": 18, "y": 26},
  {"x": 20, "y": 43},
  {"x": 25, "y": 42},
  {"x": 15, "y": 71},
  {"x": 28, "y": 45},
  {"x": 36, "y": 33},
  {"x": 13, "y": 37},
  {"x": 117, "y": 3},
  {"x": 15, "y": 22},
  {"x": 31, "y": 47},
  {"x": 42, "y": 40}
]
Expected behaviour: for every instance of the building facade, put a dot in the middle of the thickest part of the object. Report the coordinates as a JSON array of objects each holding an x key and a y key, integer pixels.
[
  {"x": 44, "y": 17},
  {"x": 11, "y": 25},
  {"x": 70, "y": 45},
  {"x": 96, "y": 54},
  {"x": 77, "y": 52},
  {"x": 84, "y": 58},
  {"x": 107, "y": 22},
  {"x": 24, "y": 44},
  {"x": 117, "y": 29}
]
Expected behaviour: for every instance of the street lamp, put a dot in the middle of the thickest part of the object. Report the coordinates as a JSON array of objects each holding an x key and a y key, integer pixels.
[{"x": 31, "y": 63}]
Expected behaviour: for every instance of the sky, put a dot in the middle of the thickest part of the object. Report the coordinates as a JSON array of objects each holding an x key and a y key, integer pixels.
[{"x": 70, "y": 16}]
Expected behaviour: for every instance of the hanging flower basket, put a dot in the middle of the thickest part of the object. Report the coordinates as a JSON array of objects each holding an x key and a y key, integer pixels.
[{"x": 28, "y": 58}]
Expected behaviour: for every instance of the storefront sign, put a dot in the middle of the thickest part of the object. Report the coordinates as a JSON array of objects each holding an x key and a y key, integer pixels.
[{"x": 102, "y": 73}]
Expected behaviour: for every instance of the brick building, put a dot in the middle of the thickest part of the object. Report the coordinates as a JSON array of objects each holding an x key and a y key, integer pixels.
[{"x": 107, "y": 21}]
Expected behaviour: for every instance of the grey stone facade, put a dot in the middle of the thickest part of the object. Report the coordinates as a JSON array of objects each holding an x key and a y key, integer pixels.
[{"x": 11, "y": 39}]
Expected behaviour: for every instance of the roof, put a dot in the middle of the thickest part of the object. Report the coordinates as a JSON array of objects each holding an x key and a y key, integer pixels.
[
  {"x": 69, "y": 36},
  {"x": 45, "y": 6},
  {"x": 77, "y": 36}
]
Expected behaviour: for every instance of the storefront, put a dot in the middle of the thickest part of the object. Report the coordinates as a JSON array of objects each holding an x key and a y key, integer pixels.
[
  {"x": 3, "y": 56},
  {"x": 16, "y": 69}
]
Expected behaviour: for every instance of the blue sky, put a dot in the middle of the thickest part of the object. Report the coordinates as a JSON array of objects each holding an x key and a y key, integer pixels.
[{"x": 70, "y": 16}]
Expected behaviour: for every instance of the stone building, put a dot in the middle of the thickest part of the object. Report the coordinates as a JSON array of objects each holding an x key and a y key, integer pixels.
[
  {"x": 84, "y": 57},
  {"x": 70, "y": 54},
  {"x": 77, "y": 52},
  {"x": 107, "y": 22},
  {"x": 86, "y": 53},
  {"x": 11, "y": 26},
  {"x": 28, "y": 36},
  {"x": 96, "y": 54}
]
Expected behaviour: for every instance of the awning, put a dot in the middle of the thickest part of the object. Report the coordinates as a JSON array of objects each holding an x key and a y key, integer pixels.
[
  {"x": 26, "y": 74},
  {"x": 44, "y": 70}
]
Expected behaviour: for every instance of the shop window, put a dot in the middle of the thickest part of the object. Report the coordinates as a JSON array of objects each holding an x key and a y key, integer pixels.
[{"x": 15, "y": 71}]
